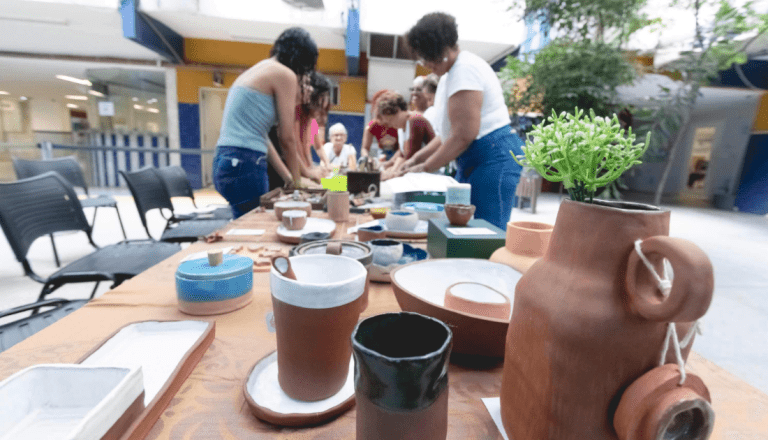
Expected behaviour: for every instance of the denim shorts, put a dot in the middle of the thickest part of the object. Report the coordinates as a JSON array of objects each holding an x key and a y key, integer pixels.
[{"x": 240, "y": 176}]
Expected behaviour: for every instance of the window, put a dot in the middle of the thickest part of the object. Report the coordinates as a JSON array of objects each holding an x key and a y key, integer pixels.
[{"x": 388, "y": 46}]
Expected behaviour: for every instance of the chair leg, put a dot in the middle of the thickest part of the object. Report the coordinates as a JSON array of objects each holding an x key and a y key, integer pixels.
[
  {"x": 94, "y": 289},
  {"x": 43, "y": 293},
  {"x": 55, "y": 253},
  {"x": 93, "y": 221},
  {"x": 120, "y": 219}
]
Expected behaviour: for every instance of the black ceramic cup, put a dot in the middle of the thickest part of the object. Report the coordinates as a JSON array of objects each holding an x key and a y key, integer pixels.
[{"x": 401, "y": 377}]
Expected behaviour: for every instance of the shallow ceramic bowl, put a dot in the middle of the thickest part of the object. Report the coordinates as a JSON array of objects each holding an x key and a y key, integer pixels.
[
  {"x": 380, "y": 274},
  {"x": 420, "y": 287},
  {"x": 402, "y": 220},
  {"x": 425, "y": 210},
  {"x": 289, "y": 205}
]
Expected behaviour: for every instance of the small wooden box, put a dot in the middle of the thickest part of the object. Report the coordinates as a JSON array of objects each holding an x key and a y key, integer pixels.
[
  {"x": 441, "y": 243},
  {"x": 268, "y": 200},
  {"x": 360, "y": 181}
]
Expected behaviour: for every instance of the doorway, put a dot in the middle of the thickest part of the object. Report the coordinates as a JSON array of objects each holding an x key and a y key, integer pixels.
[
  {"x": 699, "y": 160},
  {"x": 212, "y": 102}
]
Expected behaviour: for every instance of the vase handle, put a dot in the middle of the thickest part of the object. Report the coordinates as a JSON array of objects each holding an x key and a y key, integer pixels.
[{"x": 692, "y": 287}]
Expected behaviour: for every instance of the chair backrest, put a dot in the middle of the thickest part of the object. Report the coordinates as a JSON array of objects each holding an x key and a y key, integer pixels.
[
  {"x": 67, "y": 167},
  {"x": 176, "y": 183},
  {"x": 148, "y": 192},
  {"x": 37, "y": 206}
]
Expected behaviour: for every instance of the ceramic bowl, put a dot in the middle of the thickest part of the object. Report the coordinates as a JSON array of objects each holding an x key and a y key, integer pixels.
[
  {"x": 359, "y": 251},
  {"x": 425, "y": 210},
  {"x": 420, "y": 287},
  {"x": 459, "y": 215},
  {"x": 294, "y": 219},
  {"x": 379, "y": 213},
  {"x": 386, "y": 252},
  {"x": 371, "y": 233},
  {"x": 477, "y": 299},
  {"x": 380, "y": 274},
  {"x": 281, "y": 207},
  {"x": 402, "y": 220}
]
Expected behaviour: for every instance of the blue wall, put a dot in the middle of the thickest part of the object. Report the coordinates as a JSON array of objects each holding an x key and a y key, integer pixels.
[
  {"x": 753, "y": 189},
  {"x": 354, "y": 125},
  {"x": 189, "y": 136}
]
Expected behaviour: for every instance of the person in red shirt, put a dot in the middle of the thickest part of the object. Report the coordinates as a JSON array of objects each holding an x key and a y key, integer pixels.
[
  {"x": 386, "y": 136},
  {"x": 393, "y": 111}
]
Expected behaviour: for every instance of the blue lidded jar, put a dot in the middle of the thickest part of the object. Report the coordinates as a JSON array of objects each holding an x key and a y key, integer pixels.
[{"x": 203, "y": 288}]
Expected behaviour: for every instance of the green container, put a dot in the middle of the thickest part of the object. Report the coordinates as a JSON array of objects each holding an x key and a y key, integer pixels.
[{"x": 443, "y": 244}]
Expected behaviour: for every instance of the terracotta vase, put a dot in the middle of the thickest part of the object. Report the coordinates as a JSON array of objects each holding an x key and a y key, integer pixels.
[
  {"x": 526, "y": 242},
  {"x": 588, "y": 319},
  {"x": 401, "y": 381},
  {"x": 338, "y": 205}
]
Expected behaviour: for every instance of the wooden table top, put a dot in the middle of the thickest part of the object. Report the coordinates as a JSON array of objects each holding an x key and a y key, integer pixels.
[{"x": 211, "y": 405}]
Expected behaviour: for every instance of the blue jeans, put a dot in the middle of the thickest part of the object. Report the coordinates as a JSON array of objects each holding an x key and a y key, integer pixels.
[
  {"x": 240, "y": 176},
  {"x": 488, "y": 166}
]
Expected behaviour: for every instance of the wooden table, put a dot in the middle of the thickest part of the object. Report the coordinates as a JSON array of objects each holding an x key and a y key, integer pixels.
[{"x": 210, "y": 404}]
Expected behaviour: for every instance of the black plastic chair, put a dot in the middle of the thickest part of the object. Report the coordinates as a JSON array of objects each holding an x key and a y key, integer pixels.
[
  {"x": 69, "y": 169},
  {"x": 12, "y": 333},
  {"x": 176, "y": 183},
  {"x": 41, "y": 205},
  {"x": 150, "y": 193}
]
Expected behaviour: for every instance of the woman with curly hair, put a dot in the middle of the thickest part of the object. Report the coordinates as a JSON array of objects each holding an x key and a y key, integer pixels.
[
  {"x": 263, "y": 95},
  {"x": 393, "y": 112},
  {"x": 474, "y": 119},
  {"x": 386, "y": 137}
]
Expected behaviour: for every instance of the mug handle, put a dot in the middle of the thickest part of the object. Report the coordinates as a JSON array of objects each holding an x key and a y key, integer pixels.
[{"x": 692, "y": 288}]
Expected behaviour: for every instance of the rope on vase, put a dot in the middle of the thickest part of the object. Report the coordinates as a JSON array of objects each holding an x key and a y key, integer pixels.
[{"x": 665, "y": 285}]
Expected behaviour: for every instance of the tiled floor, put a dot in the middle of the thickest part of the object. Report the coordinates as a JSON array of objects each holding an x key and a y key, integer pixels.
[{"x": 735, "y": 328}]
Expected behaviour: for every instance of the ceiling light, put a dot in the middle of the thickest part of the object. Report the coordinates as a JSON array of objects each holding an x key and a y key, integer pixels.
[
  {"x": 152, "y": 101},
  {"x": 153, "y": 110},
  {"x": 138, "y": 107},
  {"x": 3, "y": 92},
  {"x": 83, "y": 82},
  {"x": 135, "y": 99},
  {"x": 73, "y": 105},
  {"x": 77, "y": 97},
  {"x": 22, "y": 98},
  {"x": 95, "y": 93}
]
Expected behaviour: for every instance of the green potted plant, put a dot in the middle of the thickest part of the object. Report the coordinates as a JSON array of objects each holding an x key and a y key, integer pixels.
[{"x": 588, "y": 317}]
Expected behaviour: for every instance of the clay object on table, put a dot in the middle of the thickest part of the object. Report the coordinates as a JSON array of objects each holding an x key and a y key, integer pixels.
[
  {"x": 402, "y": 220},
  {"x": 401, "y": 377},
  {"x": 458, "y": 194},
  {"x": 380, "y": 274},
  {"x": 63, "y": 401},
  {"x": 386, "y": 252},
  {"x": 379, "y": 213},
  {"x": 588, "y": 318},
  {"x": 294, "y": 219},
  {"x": 353, "y": 249},
  {"x": 205, "y": 289},
  {"x": 425, "y": 210},
  {"x": 657, "y": 407},
  {"x": 338, "y": 205},
  {"x": 269, "y": 402},
  {"x": 283, "y": 266},
  {"x": 526, "y": 242},
  {"x": 459, "y": 215},
  {"x": 313, "y": 225},
  {"x": 289, "y": 205},
  {"x": 371, "y": 233},
  {"x": 477, "y": 299},
  {"x": 314, "y": 318},
  {"x": 420, "y": 287},
  {"x": 314, "y": 236}
]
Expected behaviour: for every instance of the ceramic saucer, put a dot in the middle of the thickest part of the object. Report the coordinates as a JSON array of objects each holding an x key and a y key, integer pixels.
[
  {"x": 410, "y": 254},
  {"x": 313, "y": 225},
  {"x": 269, "y": 402}
]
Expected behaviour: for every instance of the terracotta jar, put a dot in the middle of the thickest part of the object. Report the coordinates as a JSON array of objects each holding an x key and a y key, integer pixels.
[
  {"x": 588, "y": 319},
  {"x": 338, "y": 205},
  {"x": 401, "y": 381},
  {"x": 525, "y": 244}
]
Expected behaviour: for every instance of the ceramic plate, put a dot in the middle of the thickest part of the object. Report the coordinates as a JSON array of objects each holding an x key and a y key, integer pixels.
[
  {"x": 269, "y": 403},
  {"x": 419, "y": 232},
  {"x": 57, "y": 402},
  {"x": 420, "y": 287},
  {"x": 410, "y": 254},
  {"x": 425, "y": 210},
  {"x": 166, "y": 351},
  {"x": 313, "y": 225}
]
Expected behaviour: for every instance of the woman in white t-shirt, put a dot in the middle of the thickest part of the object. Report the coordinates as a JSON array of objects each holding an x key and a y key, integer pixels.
[
  {"x": 340, "y": 154},
  {"x": 474, "y": 120}
]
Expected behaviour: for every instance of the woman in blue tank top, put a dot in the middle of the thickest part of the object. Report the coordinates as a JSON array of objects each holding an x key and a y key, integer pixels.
[{"x": 263, "y": 95}]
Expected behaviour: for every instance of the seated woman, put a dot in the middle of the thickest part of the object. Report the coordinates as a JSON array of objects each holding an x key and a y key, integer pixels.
[
  {"x": 386, "y": 137},
  {"x": 338, "y": 152},
  {"x": 393, "y": 112}
]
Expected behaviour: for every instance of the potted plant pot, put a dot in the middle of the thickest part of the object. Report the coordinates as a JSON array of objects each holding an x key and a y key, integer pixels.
[{"x": 588, "y": 318}]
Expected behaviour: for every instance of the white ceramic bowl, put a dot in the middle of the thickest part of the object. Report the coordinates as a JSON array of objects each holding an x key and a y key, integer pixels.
[{"x": 401, "y": 220}]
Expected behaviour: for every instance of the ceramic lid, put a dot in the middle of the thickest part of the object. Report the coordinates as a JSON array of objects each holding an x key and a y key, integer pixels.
[
  {"x": 352, "y": 249},
  {"x": 423, "y": 206},
  {"x": 199, "y": 269}
]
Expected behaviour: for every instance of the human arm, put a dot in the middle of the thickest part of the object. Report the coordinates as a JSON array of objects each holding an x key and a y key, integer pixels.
[
  {"x": 318, "y": 146},
  {"x": 365, "y": 148},
  {"x": 274, "y": 159},
  {"x": 352, "y": 158},
  {"x": 464, "y": 109},
  {"x": 423, "y": 154}
]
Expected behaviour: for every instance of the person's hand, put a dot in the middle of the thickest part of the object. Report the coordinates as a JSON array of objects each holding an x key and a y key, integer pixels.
[
  {"x": 414, "y": 169},
  {"x": 316, "y": 173}
]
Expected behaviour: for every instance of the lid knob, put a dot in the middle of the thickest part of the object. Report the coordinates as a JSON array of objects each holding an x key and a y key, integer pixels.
[{"x": 215, "y": 257}]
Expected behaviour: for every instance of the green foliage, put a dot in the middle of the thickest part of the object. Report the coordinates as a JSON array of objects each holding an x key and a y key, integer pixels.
[
  {"x": 568, "y": 74},
  {"x": 584, "y": 154}
]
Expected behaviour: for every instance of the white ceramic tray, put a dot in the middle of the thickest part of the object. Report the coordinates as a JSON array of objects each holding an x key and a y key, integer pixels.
[
  {"x": 270, "y": 403},
  {"x": 313, "y": 225},
  {"x": 166, "y": 351},
  {"x": 69, "y": 402}
]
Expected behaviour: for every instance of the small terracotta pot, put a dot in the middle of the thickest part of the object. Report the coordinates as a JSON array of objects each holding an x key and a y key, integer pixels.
[
  {"x": 477, "y": 299},
  {"x": 379, "y": 213},
  {"x": 401, "y": 381},
  {"x": 459, "y": 215},
  {"x": 281, "y": 207},
  {"x": 371, "y": 233},
  {"x": 525, "y": 244},
  {"x": 338, "y": 205},
  {"x": 314, "y": 318},
  {"x": 655, "y": 407},
  {"x": 294, "y": 220}
]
